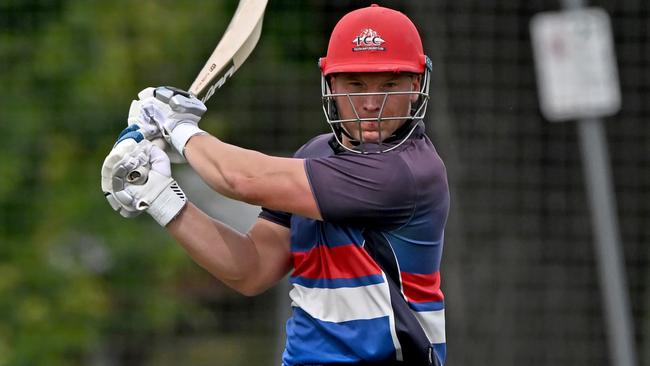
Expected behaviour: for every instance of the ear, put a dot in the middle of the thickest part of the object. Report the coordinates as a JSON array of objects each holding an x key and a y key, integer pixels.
[
  {"x": 332, "y": 80},
  {"x": 416, "y": 81}
]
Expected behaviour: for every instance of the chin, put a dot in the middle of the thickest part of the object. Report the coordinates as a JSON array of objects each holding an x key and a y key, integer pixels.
[{"x": 373, "y": 137}]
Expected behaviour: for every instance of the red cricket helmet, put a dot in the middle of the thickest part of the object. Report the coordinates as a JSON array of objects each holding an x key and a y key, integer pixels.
[{"x": 374, "y": 39}]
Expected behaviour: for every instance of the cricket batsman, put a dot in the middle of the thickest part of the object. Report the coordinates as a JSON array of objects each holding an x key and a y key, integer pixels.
[{"x": 356, "y": 217}]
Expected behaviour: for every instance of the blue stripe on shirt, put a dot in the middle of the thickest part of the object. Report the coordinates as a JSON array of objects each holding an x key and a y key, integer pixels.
[
  {"x": 427, "y": 306},
  {"x": 313, "y": 341},
  {"x": 337, "y": 282}
]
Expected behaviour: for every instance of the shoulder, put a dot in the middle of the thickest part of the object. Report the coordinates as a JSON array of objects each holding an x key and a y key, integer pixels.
[
  {"x": 417, "y": 157},
  {"x": 316, "y": 147},
  {"x": 422, "y": 159},
  {"x": 373, "y": 190},
  {"x": 397, "y": 166}
]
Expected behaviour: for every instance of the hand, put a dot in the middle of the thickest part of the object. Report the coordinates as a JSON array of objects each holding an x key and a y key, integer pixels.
[
  {"x": 169, "y": 113},
  {"x": 136, "y": 177},
  {"x": 120, "y": 150}
]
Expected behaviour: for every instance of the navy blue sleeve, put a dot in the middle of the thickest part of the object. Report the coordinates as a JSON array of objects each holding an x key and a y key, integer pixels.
[
  {"x": 278, "y": 217},
  {"x": 374, "y": 190}
]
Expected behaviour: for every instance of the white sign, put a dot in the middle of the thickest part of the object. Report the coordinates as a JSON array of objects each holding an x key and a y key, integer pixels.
[{"x": 576, "y": 65}]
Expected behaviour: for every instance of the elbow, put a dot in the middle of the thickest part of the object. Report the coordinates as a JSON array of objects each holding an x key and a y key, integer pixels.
[
  {"x": 243, "y": 188},
  {"x": 251, "y": 292},
  {"x": 247, "y": 289}
]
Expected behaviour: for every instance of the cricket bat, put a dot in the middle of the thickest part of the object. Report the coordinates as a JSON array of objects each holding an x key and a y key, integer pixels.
[
  {"x": 236, "y": 44},
  {"x": 233, "y": 49}
]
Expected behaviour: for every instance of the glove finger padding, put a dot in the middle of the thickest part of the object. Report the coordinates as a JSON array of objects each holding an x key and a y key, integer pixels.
[
  {"x": 138, "y": 115},
  {"x": 146, "y": 93},
  {"x": 135, "y": 159},
  {"x": 152, "y": 113},
  {"x": 182, "y": 110},
  {"x": 109, "y": 182},
  {"x": 115, "y": 156},
  {"x": 156, "y": 113},
  {"x": 124, "y": 211},
  {"x": 159, "y": 161},
  {"x": 160, "y": 195},
  {"x": 160, "y": 111}
]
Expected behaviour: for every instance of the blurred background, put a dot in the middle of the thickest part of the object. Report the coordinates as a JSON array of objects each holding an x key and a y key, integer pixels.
[{"x": 79, "y": 285}]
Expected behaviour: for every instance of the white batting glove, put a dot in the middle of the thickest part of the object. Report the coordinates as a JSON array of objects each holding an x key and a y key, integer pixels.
[
  {"x": 138, "y": 178},
  {"x": 115, "y": 156},
  {"x": 169, "y": 112}
]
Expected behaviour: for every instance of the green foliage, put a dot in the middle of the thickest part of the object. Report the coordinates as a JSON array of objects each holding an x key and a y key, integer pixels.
[
  {"x": 76, "y": 280},
  {"x": 73, "y": 274}
]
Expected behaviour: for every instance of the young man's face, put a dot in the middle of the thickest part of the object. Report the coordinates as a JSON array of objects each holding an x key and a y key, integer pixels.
[{"x": 369, "y": 106}]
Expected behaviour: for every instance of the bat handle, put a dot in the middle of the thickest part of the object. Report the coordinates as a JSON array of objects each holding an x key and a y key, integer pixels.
[{"x": 138, "y": 175}]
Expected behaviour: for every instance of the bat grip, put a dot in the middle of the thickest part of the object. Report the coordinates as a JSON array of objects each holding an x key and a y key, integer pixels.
[{"x": 138, "y": 175}]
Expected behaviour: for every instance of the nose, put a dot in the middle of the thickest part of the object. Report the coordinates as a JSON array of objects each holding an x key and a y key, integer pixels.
[{"x": 372, "y": 103}]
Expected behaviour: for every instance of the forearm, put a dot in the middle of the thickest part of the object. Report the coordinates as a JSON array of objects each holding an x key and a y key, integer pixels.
[
  {"x": 249, "y": 263},
  {"x": 228, "y": 255},
  {"x": 249, "y": 176},
  {"x": 228, "y": 169}
]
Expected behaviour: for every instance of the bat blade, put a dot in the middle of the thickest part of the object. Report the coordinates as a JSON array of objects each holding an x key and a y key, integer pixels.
[
  {"x": 236, "y": 44},
  {"x": 238, "y": 41}
]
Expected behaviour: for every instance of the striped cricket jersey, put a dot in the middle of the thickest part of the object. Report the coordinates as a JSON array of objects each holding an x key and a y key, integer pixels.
[{"x": 342, "y": 310}]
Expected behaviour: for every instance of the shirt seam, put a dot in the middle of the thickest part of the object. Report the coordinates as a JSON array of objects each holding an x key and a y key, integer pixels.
[
  {"x": 308, "y": 173},
  {"x": 414, "y": 201}
]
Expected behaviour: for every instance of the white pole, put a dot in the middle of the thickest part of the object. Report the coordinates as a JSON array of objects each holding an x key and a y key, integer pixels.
[
  {"x": 613, "y": 287},
  {"x": 607, "y": 242}
]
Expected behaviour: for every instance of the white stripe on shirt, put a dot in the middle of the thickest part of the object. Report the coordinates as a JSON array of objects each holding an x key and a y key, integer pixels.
[
  {"x": 433, "y": 323},
  {"x": 343, "y": 304}
]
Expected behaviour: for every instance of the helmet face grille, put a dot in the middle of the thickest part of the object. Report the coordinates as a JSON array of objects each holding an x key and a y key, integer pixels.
[
  {"x": 374, "y": 39},
  {"x": 385, "y": 143}
]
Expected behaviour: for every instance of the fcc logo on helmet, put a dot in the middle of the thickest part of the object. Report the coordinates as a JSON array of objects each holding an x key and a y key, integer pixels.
[{"x": 368, "y": 40}]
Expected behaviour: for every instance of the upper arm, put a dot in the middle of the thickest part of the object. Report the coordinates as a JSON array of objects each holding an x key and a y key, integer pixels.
[
  {"x": 253, "y": 177},
  {"x": 272, "y": 244},
  {"x": 281, "y": 184},
  {"x": 249, "y": 263}
]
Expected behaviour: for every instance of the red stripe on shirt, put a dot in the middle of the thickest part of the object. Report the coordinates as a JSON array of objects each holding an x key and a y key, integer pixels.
[
  {"x": 422, "y": 287},
  {"x": 345, "y": 261}
]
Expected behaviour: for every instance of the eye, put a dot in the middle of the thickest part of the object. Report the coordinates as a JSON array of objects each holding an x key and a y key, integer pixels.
[
  {"x": 391, "y": 85},
  {"x": 354, "y": 86}
]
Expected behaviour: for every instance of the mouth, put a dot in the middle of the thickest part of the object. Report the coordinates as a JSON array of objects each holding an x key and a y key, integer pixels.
[
  {"x": 371, "y": 135},
  {"x": 370, "y": 126}
]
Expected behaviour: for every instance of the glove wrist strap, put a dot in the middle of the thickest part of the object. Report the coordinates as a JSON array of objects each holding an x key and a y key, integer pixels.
[
  {"x": 168, "y": 204},
  {"x": 182, "y": 133}
]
